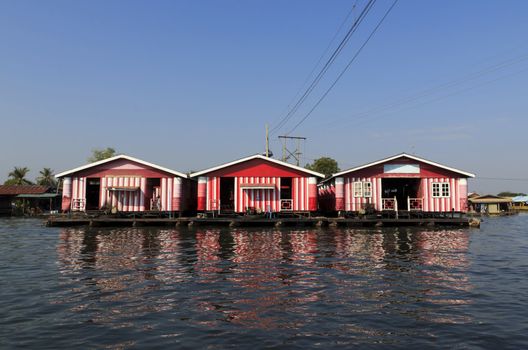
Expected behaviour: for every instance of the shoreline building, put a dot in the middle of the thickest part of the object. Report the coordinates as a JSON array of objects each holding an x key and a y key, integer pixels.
[
  {"x": 125, "y": 184},
  {"x": 401, "y": 182},
  {"x": 257, "y": 184}
]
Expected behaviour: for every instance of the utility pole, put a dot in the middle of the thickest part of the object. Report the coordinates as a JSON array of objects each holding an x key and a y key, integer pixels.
[
  {"x": 296, "y": 154},
  {"x": 267, "y": 141}
]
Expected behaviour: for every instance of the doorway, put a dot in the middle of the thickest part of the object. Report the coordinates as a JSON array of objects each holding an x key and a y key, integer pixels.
[
  {"x": 227, "y": 193},
  {"x": 286, "y": 202},
  {"x": 93, "y": 190},
  {"x": 401, "y": 188}
]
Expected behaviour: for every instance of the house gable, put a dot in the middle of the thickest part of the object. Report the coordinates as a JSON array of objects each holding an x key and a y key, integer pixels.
[
  {"x": 122, "y": 167},
  {"x": 257, "y": 168},
  {"x": 404, "y": 166}
]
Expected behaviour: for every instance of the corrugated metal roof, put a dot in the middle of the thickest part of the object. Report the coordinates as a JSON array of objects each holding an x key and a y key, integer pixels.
[
  {"x": 39, "y": 196},
  {"x": 13, "y": 190},
  {"x": 486, "y": 199},
  {"x": 520, "y": 199}
]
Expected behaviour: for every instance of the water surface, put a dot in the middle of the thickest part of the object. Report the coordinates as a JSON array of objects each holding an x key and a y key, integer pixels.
[{"x": 264, "y": 288}]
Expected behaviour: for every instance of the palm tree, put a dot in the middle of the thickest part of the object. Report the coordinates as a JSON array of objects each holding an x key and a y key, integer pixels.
[
  {"x": 47, "y": 178},
  {"x": 18, "y": 177}
]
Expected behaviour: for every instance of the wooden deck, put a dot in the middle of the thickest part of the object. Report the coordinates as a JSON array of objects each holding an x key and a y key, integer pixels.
[{"x": 64, "y": 221}]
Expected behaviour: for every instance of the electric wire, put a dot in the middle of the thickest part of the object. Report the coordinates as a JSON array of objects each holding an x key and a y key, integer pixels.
[
  {"x": 363, "y": 116},
  {"x": 345, "y": 69},
  {"x": 325, "y": 52},
  {"x": 326, "y": 66}
]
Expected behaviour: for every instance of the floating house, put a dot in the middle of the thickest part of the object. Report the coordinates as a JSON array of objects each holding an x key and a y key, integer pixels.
[
  {"x": 520, "y": 203},
  {"x": 34, "y": 199},
  {"x": 491, "y": 205},
  {"x": 401, "y": 182},
  {"x": 257, "y": 184},
  {"x": 125, "y": 184}
]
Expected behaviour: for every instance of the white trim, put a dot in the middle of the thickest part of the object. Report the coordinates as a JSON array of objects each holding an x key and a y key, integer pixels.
[
  {"x": 401, "y": 156},
  {"x": 121, "y": 156},
  {"x": 441, "y": 189},
  {"x": 257, "y": 156}
]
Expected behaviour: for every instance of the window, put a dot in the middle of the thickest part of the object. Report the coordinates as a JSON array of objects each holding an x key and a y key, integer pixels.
[
  {"x": 358, "y": 189},
  {"x": 367, "y": 189},
  {"x": 445, "y": 190},
  {"x": 362, "y": 189},
  {"x": 441, "y": 189}
]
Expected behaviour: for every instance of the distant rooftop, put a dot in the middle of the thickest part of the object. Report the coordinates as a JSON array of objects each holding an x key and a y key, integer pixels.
[{"x": 14, "y": 190}]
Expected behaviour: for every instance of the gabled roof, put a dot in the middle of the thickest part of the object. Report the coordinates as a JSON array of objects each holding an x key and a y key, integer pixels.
[
  {"x": 401, "y": 155},
  {"x": 257, "y": 156},
  {"x": 13, "y": 190},
  {"x": 121, "y": 156}
]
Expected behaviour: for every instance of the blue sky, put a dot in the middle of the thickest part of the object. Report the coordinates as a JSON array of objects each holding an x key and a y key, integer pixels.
[{"x": 191, "y": 84}]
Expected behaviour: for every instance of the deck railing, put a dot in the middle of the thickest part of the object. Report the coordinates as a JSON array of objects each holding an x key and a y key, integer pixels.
[
  {"x": 286, "y": 204},
  {"x": 389, "y": 204},
  {"x": 78, "y": 204},
  {"x": 415, "y": 204}
]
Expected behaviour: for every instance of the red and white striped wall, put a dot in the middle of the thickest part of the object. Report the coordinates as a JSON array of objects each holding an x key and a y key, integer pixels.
[
  {"x": 456, "y": 201},
  {"x": 345, "y": 200},
  {"x": 260, "y": 193},
  {"x": 357, "y": 203},
  {"x": 120, "y": 199},
  {"x": 264, "y": 199},
  {"x": 118, "y": 192}
]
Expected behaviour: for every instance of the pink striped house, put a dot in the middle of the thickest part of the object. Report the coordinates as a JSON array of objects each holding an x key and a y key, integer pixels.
[
  {"x": 257, "y": 183},
  {"x": 400, "y": 182},
  {"x": 127, "y": 184}
]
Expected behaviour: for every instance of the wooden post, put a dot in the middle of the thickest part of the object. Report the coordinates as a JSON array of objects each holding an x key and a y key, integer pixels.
[{"x": 396, "y": 206}]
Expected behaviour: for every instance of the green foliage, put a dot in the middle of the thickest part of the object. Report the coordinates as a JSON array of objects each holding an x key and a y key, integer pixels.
[
  {"x": 47, "y": 178},
  {"x": 100, "y": 154},
  {"x": 18, "y": 177},
  {"x": 325, "y": 165},
  {"x": 510, "y": 194}
]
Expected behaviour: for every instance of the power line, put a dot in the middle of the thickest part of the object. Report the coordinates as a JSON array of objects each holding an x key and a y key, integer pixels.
[
  {"x": 326, "y": 66},
  {"x": 310, "y": 75},
  {"x": 363, "y": 116},
  {"x": 500, "y": 178},
  {"x": 345, "y": 69}
]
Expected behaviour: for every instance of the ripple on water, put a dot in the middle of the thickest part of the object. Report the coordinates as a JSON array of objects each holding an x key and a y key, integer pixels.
[{"x": 219, "y": 288}]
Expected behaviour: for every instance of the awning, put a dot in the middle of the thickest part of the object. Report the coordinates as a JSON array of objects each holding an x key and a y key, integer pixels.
[
  {"x": 257, "y": 186},
  {"x": 123, "y": 188}
]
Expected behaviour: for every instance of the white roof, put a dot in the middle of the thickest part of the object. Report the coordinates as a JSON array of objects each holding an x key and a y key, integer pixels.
[
  {"x": 401, "y": 156},
  {"x": 257, "y": 156},
  {"x": 121, "y": 156}
]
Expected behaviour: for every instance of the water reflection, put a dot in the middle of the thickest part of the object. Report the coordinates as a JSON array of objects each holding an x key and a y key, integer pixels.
[{"x": 266, "y": 279}]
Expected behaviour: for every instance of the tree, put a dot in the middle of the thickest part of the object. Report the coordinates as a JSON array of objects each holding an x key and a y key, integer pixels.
[
  {"x": 100, "y": 154},
  {"x": 510, "y": 194},
  {"x": 18, "y": 177},
  {"x": 47, "y": 178},
  {"x": 325, "y": 165}
]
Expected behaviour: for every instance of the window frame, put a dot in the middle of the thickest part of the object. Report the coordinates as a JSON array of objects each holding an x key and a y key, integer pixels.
[
  {"x": 442, "y": 190},
  {"x": 362, "y": 189},
  {"x": 357, "y": 188}
]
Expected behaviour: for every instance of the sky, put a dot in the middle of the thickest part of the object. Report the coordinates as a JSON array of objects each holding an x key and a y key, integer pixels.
[{"x": 192, "y": 84}]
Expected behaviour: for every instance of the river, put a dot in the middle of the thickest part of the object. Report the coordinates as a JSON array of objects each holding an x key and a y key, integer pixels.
[{"x": 216, "y": 288}]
